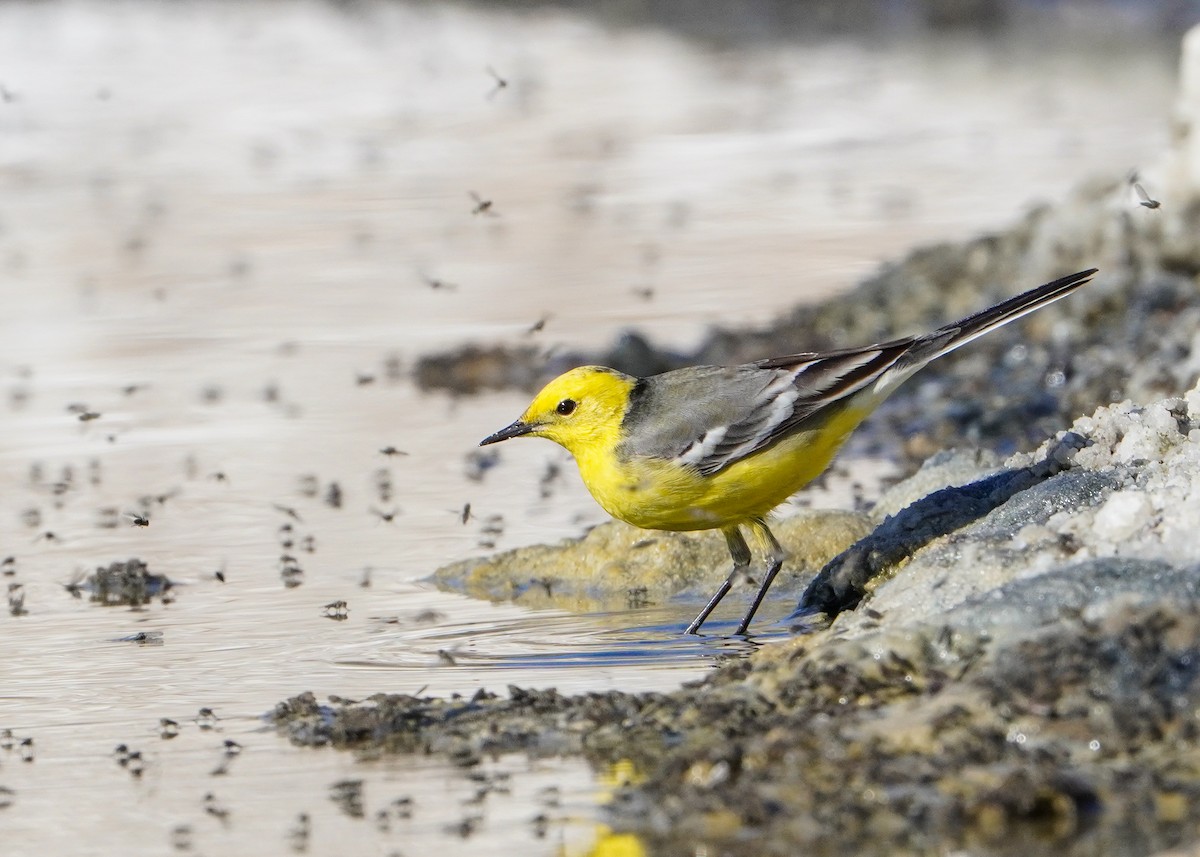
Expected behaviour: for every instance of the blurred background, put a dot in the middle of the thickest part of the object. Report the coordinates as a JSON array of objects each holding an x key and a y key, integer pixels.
[{"x": 229, "y": 230}]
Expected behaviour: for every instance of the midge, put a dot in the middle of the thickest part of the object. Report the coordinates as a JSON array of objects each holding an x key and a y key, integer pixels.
[{"x": 719, "y": 447}]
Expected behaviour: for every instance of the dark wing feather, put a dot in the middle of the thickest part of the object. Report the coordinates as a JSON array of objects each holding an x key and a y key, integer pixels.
[
  {"x": 820, "y": 381},
  {"x": 710, "y": 417}
]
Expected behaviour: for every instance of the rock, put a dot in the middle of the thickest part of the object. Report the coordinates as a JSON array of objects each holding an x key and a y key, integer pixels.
[{"x": 615, "y": 565}]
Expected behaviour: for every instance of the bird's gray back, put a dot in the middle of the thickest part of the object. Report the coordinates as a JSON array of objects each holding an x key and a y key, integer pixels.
[{"x": 679, "y": 411}]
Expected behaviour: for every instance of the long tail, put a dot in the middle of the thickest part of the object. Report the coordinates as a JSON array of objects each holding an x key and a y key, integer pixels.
[
  {"x": 951, "y": 336},
  {"x": 873, "y": 372}
]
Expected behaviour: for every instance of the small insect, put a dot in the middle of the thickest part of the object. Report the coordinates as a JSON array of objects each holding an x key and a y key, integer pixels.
[
  {"x": 550, "y": 797},
  {"x": 138, "y": 520},
  {"x": 338, "y": 610},
  {"x": 446, "y": 658},
  {"x": 466, "y": 513},
  {"x": 206, "y": 718},
  {"x": 74, "y": 586},
  {"x": 181, "y": 837},
  {"x": 478, "y": 463},
  {"x": 383, "y": 484},
  {"x": 348, "y": 794},
  {"x": 333, "y": 496},
  {"x": 501, "y": 83},
  {"x": 219, "y": 574},
  {"x": 88, "y": 416},
  {"x": 292, "y": 574},
  {"x": 391, "y": 451},
  {"x": 300, "y": 832},
  {"x": 438, "y": 284},
  {"x": 386, "y": 517},
  {"x": 130, "y": 389},
  {"x": 215, "y": 809},
  {"x": 290, "y": 511},
  {"x": 143, "y": 638},
  {"x": 363, "y": 379},
  {"x": 482, "y": 206},
  {"x": 310, "y": 485},
  {"x": 167, "y": 728},
  {"x": 1143, "y": 198},
  {"x": 16, "y": 599},
  {"x": 403, "y": 806},
  {"x": 538, "y": 326},
  {"x": 160, "y": 499}
]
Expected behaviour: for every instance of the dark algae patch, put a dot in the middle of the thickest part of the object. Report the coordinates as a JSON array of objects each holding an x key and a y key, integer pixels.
[{"x": 129, "y": 583}]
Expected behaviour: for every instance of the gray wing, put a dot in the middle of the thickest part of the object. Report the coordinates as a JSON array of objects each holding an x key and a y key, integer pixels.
[{"x": 711, "y": 416}]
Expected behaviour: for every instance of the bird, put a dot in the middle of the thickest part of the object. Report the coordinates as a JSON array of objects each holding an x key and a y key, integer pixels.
[{"x": 719, "y": 447}]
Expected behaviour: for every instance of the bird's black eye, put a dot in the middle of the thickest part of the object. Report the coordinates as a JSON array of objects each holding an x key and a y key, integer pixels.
[{"x": 565, "y": 407}]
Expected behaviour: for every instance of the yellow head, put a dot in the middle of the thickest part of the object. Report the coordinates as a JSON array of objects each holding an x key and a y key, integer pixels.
[{"x": 580, "y": 410}]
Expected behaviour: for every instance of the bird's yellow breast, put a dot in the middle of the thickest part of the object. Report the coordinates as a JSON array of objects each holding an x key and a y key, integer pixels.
[{"x": 664, "y": 495}]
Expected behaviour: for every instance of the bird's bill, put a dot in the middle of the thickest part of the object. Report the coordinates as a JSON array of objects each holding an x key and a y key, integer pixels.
[{"x": 515, "y": 430}]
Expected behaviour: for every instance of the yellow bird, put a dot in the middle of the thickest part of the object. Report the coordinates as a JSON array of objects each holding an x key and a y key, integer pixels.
[{"x": 719, "y": 447}]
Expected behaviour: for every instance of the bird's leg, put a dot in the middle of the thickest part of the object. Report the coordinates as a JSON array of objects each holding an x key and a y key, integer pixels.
[
  {"x": 775, "y": 557},
  {"x": 741, "y": 561}
]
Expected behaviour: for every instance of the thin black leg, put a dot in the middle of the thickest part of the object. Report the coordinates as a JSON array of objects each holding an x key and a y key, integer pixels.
[
  {"x": 741, "y": 561},
  {"x": 775, "y": 557}
]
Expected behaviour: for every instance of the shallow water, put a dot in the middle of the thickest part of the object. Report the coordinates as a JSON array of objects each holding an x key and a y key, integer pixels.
[{"x": 235, "y": 210}]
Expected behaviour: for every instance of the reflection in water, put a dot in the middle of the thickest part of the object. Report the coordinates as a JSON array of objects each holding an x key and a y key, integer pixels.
[
  {"x": 556, "y": 643},
  {"x": 226, "y": 232}
]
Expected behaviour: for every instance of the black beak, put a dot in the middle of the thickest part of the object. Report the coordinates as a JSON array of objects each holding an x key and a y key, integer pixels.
[{"x": 515, "y": 430}]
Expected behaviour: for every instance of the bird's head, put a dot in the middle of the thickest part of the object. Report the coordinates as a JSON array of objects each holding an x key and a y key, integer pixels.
[{"x": 580, "y": 410}]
